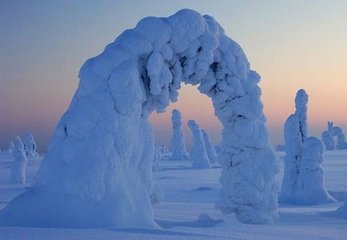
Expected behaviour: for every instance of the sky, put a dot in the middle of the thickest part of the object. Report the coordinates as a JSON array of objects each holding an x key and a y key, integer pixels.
[{"x": 292, "y": 44}]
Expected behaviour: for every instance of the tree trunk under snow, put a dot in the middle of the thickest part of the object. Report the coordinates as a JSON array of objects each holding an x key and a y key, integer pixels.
[{"x": 97, "y": 171}]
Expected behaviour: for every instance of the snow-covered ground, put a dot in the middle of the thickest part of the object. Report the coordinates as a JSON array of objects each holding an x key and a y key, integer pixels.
[{"x": 187, "y": 211}]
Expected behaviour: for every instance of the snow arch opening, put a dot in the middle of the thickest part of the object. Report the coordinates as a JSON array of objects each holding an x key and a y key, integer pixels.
[{"x": 97, "y": 171}]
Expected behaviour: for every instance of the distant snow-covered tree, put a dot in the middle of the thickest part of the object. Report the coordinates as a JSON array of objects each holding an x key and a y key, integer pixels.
[
  {"x": 164, "y": 151},
  {"x": 30, "y": 147},
  {"x": 11, "y": 148},
  {"x": 20, "y": 162},
  {"x": 337, "y": 132},
  {"x": 156, "y": 159},
  {"x": 328, "y": 140},
  {"x": 179, "y": 151},
  {"x": 198, "y": 154},
  {"x": 210, "y": 149}
]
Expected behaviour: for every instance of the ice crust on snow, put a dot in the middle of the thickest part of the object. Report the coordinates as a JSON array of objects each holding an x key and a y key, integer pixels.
[
  {"x": 20, "y": 162},
  {"x": 303, "y": 180},
  {"x": 210, "y": 149},
  {"x": 97, "y": 171},
  {"x": 198, "y": 155},
  {"x": 179, "y": 151}
]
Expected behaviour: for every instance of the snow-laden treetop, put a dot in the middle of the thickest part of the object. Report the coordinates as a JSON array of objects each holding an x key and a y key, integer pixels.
[
  {"x": 176, "y": 117},
  {"x": 301, "y": 101},
  {"x": 184, "y": 47}
]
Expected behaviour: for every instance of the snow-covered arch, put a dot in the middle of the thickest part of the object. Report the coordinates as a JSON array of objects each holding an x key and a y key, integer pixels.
[{"x": 97, "y": 171}]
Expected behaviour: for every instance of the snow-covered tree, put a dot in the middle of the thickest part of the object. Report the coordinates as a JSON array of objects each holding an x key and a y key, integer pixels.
[
  {"x": 179, "y": 151},
  {"x": 198, "y": 154},
  {"x": 303, "y": 175},
  {"x": 339, "y": 134},
  {"x": 156, "y": 159},
  {"x": 310, "y": 187},
  {"x": 210, "y": 149},
  {"x": 30, "y": 146},
  {"x": 164, "y": 151},
  {"x": 20, "y": 162},
  {"x": 102, "y": 149},
  {"x": 328, "y": 140},
  {"x": 341, "y": 139},
  {"x": 11, "y": 148},
  {"x": 295, "y": 132}
]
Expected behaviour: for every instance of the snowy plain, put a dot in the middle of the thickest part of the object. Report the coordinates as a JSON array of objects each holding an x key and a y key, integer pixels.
[{"x": 188, "y": 208}]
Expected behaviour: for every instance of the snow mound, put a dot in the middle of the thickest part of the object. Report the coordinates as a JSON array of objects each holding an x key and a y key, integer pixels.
[
  {"x": 98, "y": 168},
  {"x": 203, "y": 221}
]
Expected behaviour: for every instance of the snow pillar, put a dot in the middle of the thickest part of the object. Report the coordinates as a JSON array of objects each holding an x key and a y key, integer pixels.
[
  {"x": 179, "y": 151},
  {"x": 10, "y": 149},
  {"x": 30, "y": 146},
  {"x": 303, "y": 175},
  {"x": 249, "y": 165},
  {"x": 210, "y": 149},
  {"x": 198, "y": 155},
  {"x": 20, "y": 162},
  {"x": 338, "y": 133},
  {"x": 295, "y": 132},
  {"x": 328, "y": 140}
]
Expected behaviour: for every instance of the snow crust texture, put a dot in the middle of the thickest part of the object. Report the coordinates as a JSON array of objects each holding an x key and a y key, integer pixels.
[
  {"x": 198, "y": 155},
  {"x": 97, "y": 171},
  {"x": 303, "y": 180},
  {"x": 179, "y": 151}
]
